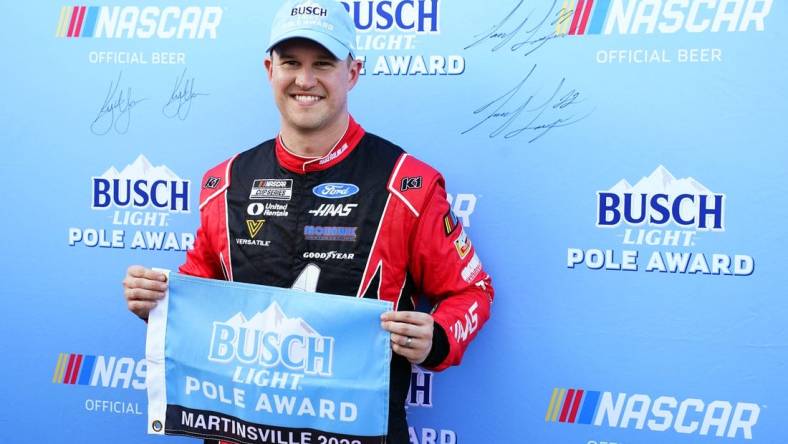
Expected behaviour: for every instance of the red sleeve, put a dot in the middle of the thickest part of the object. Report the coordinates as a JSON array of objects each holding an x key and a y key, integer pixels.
[
  {"x": 207, "y": 259},
  {"x": 446, "y": 267}
]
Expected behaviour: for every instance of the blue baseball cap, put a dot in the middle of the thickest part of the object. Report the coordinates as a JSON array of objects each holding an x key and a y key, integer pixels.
[{"x": 323, "y": 21}]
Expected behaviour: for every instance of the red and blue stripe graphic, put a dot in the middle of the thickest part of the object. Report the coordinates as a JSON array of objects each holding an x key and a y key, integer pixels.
[
  {"x": 565, "y": 406},
  {"x": 77, "y": 21},
  {"x": 73, "y": 368},
  {"x": 587, "y": 17}
]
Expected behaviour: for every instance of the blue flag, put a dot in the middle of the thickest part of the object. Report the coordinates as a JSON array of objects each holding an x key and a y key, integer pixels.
[{"x": 254, "y": 364}]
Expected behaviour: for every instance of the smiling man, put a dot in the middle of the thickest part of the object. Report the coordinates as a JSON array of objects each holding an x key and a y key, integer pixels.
[{"x": 328, "y": 207}]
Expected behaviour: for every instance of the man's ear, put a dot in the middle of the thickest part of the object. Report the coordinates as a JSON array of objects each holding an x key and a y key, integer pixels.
[
  {"x": 269, "y": 64},
  {"x": 354, "y": 71}
]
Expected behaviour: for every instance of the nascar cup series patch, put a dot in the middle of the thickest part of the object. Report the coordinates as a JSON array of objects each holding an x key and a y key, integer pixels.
[{"x": 255, "y": 364}]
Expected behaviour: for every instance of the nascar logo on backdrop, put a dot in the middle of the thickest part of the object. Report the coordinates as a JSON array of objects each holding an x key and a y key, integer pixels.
[
  {"x": 103, "y": 372},
  {"x": 666, "y": 214},
  {"x": 122, "y": 23},
  {"x": 128, "y": 22},
  {"x": 627, "y": 17},
  {"x": 140, "y": 195},
  {"x": 690, "y": 416}
]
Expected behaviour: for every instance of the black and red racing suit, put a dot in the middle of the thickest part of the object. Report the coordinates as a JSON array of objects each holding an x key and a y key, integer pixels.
[{"x": 365, "y": 220}]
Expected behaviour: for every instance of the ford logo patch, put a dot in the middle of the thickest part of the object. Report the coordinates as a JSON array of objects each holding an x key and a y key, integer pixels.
[{"x": 335, "y": 190}]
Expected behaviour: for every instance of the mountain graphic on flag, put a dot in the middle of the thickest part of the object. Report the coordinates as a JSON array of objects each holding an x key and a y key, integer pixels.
[{"x": 273, "y": 319}]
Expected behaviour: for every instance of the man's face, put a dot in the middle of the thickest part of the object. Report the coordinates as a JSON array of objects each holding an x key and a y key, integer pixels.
[{"x": 310, "y": 86}]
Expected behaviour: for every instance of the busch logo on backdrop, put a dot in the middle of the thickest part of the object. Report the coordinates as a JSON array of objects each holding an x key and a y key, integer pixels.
[
  {"x": 141, "y": 186},
  {"x": 661, "y": 199},
  {"x": 395, "y": 29},
  {"x": 691, "y": 416},
  {"x": 662, "y": 211},
  {"x": 271, "y": 339},
  {"x": 140, "y": 195},
  {"x": 420, "y": 391},
  {"x": 421, "y": 16}
]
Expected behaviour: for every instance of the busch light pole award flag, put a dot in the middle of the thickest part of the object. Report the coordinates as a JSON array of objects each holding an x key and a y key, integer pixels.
[{"x": 254, "y": 364}]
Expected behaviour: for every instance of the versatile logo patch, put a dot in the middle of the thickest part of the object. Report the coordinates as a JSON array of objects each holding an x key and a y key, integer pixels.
[
  {"x": 449, "y": 222},
  {"x": 410, "y": 183},
  {"x": 335, "y": 190},
  {"x": 342, "y": 234},
  {"x": 254, "y": 226},
  {"x": 212, "y": 182},
  {"x": 462, "y": 244},
  {"x": 274, "y": 189}
]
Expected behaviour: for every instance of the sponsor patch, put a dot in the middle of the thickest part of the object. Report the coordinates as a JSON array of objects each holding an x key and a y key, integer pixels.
[
  {"x": 212, "y": 182},
  {"x": 328, "y": 255},
  {"x": 335, "y": 190},
  {"x": 342, "y": 234},
  {"x": 268, "y": 209},
  {"x": 472, "y": 270},
  {"x": 462, "y": 244},
  {"x": 449, "y": 223},
  {"x": 254, "y": 226},
  {"x": 341, "y": 210},
  {"x": 252, "y": 242},
  {"x": 410, "y": 183},
  {"x": 274, "y": 189},
  {"x": 333, "y": 155}
]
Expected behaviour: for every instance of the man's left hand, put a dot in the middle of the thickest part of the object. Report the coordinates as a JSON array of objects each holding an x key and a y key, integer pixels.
[{"x": 411, "y": 333}]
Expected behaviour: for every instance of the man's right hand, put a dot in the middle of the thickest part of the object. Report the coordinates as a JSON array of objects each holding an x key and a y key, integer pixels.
[{"x": 142, "y": 288}]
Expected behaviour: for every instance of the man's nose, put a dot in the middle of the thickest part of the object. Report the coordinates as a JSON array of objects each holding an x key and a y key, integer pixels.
[{"x": 306, "y": 79}]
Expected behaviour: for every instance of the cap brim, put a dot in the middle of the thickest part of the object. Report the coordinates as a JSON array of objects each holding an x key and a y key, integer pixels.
[{"x": 333, "y": 45}]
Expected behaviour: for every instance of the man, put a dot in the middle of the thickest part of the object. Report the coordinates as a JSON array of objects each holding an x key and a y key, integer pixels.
[{"x": 328, "y": 207}]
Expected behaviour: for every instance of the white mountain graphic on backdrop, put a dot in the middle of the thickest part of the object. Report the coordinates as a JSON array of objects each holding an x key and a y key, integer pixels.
[
  {"x": 273, "y": 319},
  {"x": 661, "y": 181},
  {"x": 141, "y": 168}
]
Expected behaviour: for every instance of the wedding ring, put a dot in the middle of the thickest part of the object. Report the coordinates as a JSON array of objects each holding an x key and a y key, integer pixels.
[{"x": 408, "y": 341}]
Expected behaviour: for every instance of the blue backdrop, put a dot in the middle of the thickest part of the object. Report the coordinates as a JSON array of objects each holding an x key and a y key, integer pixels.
[{"x": 619, "y": 164}]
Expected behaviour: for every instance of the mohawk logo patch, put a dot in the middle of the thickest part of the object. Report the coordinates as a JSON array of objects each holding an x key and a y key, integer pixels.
[{"x": 254, "y": 226}]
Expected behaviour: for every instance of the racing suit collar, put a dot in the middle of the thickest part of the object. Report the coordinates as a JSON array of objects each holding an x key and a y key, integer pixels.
[{"x": 344, "y": 146}]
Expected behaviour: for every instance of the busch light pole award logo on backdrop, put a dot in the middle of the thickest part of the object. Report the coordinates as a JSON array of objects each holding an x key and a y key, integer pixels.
[
  {"x": 139, "y": 203},
  {"x": 661, "y": 221}
]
